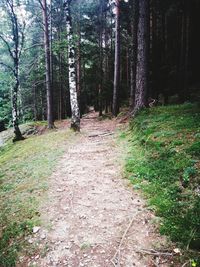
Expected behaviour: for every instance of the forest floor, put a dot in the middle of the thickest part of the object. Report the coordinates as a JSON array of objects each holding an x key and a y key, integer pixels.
[{"x": 92, "y": 216}]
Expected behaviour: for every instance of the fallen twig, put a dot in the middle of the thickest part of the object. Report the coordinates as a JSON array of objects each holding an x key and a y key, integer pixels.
[
  {"x": 154, "y": 252},
  {"x": 82, "y": 204},
  {"x": 155, "y": 264},
  {"x": 72, "y": 197},
  {"x": 101, "y": 134},
  {"x": 185, "y": 263},
  {"x": 116, "y": 258}
]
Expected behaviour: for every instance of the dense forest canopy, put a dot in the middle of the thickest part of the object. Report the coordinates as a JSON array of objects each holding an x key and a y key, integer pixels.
[{"x": 102, "y": 53}]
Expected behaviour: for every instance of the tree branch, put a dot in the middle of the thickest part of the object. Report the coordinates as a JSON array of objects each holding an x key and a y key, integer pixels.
[
  {"x": 8, "y": 46},
  {"x": 7, "y": 66},
  {"x": 22, "y": 39},
  {"x": 40, "y": 2},
  {"x": 35, "y": 45}
]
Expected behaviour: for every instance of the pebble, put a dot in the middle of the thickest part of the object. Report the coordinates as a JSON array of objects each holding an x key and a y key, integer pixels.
[
  {"x": 21, "y": 258},
  {"x": 60, "y": 190},
  {"x": 32, "y": 263},
  {"x": 43, "y": 236},
  {"x": 36, "y": 229},
  {"x": 82, "y": 217}
]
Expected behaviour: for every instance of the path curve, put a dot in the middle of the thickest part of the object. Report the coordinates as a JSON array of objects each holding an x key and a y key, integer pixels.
[{"x": 94, "y": 218}]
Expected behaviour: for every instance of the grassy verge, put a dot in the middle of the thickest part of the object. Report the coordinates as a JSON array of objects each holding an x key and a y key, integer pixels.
[
  {"x": 164, "y": 161},
  {"x": 24, "y": 169}
]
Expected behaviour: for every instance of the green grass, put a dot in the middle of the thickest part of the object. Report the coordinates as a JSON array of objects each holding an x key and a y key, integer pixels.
[
  {"x": 164, "y": 161},
  {"x": 24, "y": 169}
]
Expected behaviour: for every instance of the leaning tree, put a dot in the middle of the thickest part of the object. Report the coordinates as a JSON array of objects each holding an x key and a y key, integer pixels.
[{"x": 13, "y": 42}]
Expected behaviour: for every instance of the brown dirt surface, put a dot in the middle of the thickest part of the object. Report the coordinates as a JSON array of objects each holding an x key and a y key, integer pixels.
[{"x": 92, "y": 216}]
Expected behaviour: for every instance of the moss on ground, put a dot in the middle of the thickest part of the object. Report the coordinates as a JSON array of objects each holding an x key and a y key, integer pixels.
[
  {"x": 24, "y": 169},
  {"x": 164, "y": 161}
]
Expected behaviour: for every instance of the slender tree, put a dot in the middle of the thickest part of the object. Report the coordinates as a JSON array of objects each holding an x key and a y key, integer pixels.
[
  {"x": 78, "y": 53},
  {"x": 47, "y": 66},
  {"x": 100, "y": 84},
  {"x": 78, "y": 67},
  {"x": 142, "y": 56},
  {"x": 184, "y": 52},
  {"x": 75, "y": 121},
  {"x": 15, "y": 51},
  {"x": 133, "y": 51},
  {"x": 115, "y": 105}
]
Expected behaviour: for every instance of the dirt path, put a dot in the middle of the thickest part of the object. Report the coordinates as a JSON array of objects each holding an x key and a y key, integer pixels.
[{"x": 94, "y": 218}]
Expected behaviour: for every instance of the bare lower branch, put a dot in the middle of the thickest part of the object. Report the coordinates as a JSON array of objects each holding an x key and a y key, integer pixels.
[
  {"x": 116, "y": 258},
  {"x": 35, "y": 45},
  {"x": 40, "y": 2},
  {"x": 8, "y": 46},
  {"x": 7, "y": 66}
]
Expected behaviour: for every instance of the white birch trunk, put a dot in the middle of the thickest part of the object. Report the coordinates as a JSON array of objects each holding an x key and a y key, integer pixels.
[{"x": 75, "y": 120}]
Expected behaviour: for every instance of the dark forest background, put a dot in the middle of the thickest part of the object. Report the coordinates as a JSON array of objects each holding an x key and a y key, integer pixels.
[{"x": 172, "y": 58}]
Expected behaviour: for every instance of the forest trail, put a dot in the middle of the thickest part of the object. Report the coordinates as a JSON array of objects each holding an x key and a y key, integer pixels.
[{"x": 93, "y": 217}]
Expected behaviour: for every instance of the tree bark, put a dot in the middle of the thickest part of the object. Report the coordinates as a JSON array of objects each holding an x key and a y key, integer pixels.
[
  {"x": 17, "y": 132},
  {"x": 108, "y": 39},
  {"x": 100, "y": 85},
  {"x": 75, "y": 120},
  {"x": 78, "y": 66},
  {"x": 115, "y": 105},
  {"x": 15, "y": 53},
  {"x": 142, "y": 56},
  {"x": 47, "y": 66},
  {"x": 133, "y": 58},
  {"x": 184, "y": 54}
]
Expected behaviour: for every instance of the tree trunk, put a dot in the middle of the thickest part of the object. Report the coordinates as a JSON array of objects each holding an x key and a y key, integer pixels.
[
  {"x": 184, "y": 54},
  {"x": 34, "y": 102},
  {"x": 78, "y": 66},
  {"x": 133, "y": 59},
  {"x": 107, "y": 64},
  {"x": 75, "y": 121},
  {"x": 47, "y": 66},
  {"x": 115, "y": 105},
  {"x": 17, "y": 132},
  {"x": 142, "y": 56},
  {"x": 15, "y": 56},
  {"x": 100, "y": 85}
]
